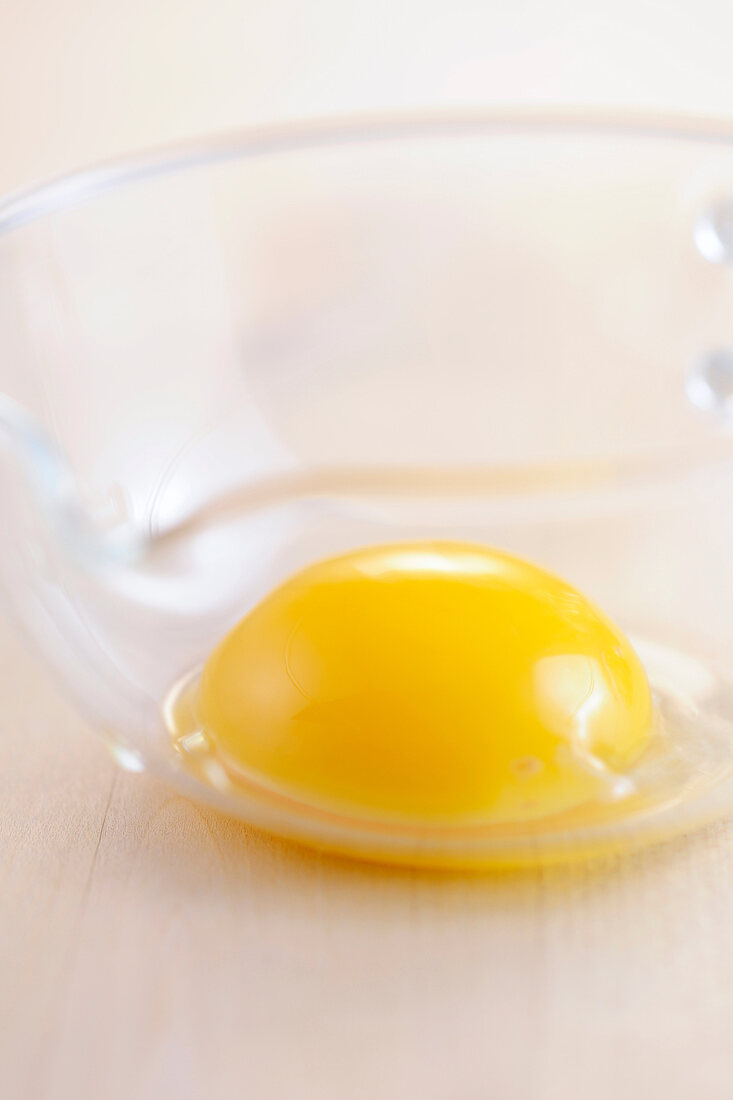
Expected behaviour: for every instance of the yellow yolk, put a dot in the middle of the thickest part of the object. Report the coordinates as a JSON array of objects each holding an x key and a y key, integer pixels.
[{"x": 438, "y": 682}]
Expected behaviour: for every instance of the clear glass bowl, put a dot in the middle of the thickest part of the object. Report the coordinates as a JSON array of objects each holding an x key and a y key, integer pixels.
[{"x": 223, "y": 361}]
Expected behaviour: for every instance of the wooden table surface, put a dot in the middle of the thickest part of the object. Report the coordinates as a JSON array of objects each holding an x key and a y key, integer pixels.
[{"x": 150, "y": 948}]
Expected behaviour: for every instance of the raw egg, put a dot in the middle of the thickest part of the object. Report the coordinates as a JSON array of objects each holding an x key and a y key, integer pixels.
[{"x": 434, "y": 682}]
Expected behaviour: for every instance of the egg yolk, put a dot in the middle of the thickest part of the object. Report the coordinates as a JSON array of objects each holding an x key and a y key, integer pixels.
[{"x": 439, "y": 682}]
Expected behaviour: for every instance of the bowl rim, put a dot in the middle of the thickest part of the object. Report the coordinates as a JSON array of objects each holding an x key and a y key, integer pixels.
[
  {"x": 74, "y": 189},
  {"x": 36, "y": 201}
]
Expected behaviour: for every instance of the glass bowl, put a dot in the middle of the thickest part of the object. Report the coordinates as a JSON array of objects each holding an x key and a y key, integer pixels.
[{"x": 226, "y": 360}]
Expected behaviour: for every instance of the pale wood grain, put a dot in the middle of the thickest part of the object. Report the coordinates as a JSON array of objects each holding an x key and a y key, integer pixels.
[{"x": 150, "y": 948}]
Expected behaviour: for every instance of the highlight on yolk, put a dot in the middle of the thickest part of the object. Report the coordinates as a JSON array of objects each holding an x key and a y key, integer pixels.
[{"x": 433, "y": 682}]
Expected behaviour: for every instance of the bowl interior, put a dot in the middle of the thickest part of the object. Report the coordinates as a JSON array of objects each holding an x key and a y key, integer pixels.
[{"x": 259, "y": 359}]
